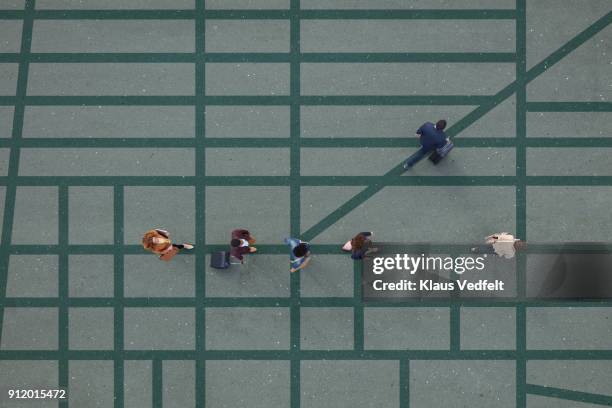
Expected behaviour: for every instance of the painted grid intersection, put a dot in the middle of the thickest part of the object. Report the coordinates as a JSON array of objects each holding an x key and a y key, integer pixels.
[{"x": 375, "y": 183}]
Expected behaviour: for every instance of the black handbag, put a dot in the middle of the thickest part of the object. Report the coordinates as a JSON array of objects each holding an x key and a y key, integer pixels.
[{"x": 220, "y": 260}]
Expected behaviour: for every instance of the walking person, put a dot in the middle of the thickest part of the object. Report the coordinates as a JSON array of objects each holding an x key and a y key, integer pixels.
[
  {"x": 360, "y": 245},
  {"x": 503, "y": 244},
  {"x": 158, "y": 241},
  {"x": 432, "y": 137},
  {"x": 300, "y": 255},
  {"x": 242, "y": 244}
]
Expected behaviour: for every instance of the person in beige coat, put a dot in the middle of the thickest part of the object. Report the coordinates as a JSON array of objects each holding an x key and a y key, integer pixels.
[{"x": 503, "y": 244}]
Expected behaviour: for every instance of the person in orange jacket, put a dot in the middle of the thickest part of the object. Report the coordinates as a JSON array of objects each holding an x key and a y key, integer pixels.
[{"x": 158, "y": 241}]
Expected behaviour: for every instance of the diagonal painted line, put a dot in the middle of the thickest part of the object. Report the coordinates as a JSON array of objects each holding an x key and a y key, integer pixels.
[
  {"x": 13, "y": 162},
  {"x": 570, "y": 395},
  {"x": 465, "y": 122}
]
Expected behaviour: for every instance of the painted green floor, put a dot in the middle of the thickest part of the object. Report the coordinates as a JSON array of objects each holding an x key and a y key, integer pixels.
[{"x": 292, "y": 117}]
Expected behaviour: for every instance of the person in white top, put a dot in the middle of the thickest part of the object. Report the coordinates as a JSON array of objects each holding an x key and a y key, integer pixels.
[{"x": 502, "y": 243}]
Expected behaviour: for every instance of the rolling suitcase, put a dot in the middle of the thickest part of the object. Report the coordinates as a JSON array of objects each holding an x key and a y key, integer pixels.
[
  {"x": 220, "y": 260},
  {"x": 441, "y": 153}
]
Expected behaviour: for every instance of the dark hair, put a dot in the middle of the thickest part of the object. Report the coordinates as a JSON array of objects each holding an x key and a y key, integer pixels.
[
  {"x": 301, "y": 250},
  {"x": 235, "y": 242},
  {"x": 358, "y": 242},
  {"x": 441, "y": 124}
]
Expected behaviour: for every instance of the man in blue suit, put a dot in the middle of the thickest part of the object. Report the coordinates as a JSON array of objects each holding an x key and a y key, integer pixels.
[{"x": 432, "y": 137}]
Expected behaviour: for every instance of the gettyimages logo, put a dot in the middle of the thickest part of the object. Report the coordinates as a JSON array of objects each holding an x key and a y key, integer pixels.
[
  {"x": 411, "y": 264},
  {"x": 426, "y": 275},
  {"x": 551, "y": 271}
]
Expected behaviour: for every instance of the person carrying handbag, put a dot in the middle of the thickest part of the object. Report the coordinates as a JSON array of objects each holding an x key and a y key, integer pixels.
[{"x": 432, "y": 138}]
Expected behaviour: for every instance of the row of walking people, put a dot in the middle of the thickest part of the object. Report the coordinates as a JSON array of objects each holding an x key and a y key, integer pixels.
[{"x": 242, "y": 244}]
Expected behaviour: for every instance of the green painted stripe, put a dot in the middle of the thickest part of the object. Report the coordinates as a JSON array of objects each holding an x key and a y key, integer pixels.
[
  {"x": 326, "y": 249},
  {"x": 521, "y": 197},
  {"x": 358, "y": 317},
  {"x": 595, "y": 142},
  {"x": 569, "y": 106},
  {"x": 200, "y": 221},
  {"x": 404, "y": 383},
  {"x": 304, "y": 302},
  {"x": 294, "y": 198},
  {"x": 12, "y": 14},
  {"x": 455, "y": 325},
  {"x": 522, "y": 355},
  {"x": 400, "y": 142},
  {"x": 248, "y": 14},
  {"x": 102, "y": 14},
  {"x": 477, "y": 57},
  {"x": 439, "y": 57},
  {"x": 118, "y": 204},
  {"x": 63, "y": 323},
  {"x": 13, "y": 164},
  {"x": 102, "y": 143},
  {"x": 396, "y": 100},
  {"x": 379, "y": 182},
  {"x": 569, "y": 395},
  {"x": 108, "y": 57},
  {"x": 157, "y": 383},
  {"x": 308, "y": 355},
  {"x": 331, "y": 142},
  {"x": 568, "y": 181},
  {"x": 249, "y": 100},
  {"x": 482, "y": 14},
  {"x": 101, "y": 100},
  {"x": 257, "y": 143}
]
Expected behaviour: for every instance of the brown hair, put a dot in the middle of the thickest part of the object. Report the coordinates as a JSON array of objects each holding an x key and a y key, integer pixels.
[
  {"x": 441, "y": 124},
  {"x": 147, "y": 242},
  {"x": 358, "y": 242}
]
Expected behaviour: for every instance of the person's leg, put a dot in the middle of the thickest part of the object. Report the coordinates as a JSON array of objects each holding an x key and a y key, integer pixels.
[
  {"x": 415, "y": 158},
  {"x": 183, "y": 246}
]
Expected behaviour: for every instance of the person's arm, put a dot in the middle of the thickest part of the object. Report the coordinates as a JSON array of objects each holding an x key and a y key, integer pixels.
[
  {"x": 292, "y": 242},
  {"x": 420, "y": 129},
  {"x": 302, "y": 265},
  {"x": 163, "y": 232},
  {"x": 305, "y": 263}
]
